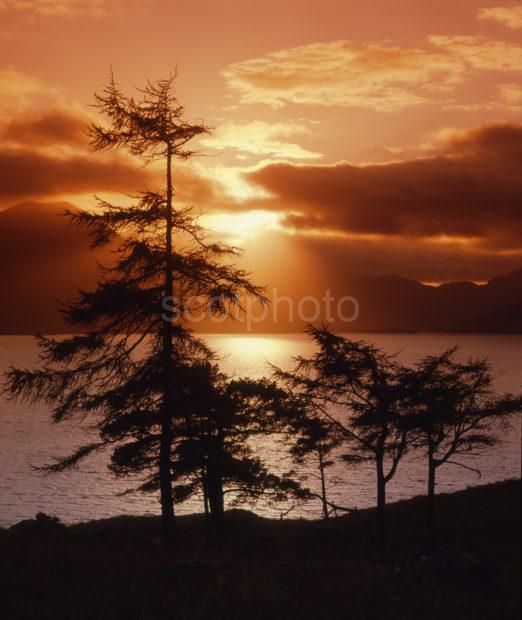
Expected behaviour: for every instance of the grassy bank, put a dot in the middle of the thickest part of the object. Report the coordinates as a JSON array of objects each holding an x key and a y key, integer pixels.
[{"x": 118, "y": 568}]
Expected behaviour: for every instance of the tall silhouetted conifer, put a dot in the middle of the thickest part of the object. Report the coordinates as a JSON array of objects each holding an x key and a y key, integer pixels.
[{"x": 134, "y": 356}]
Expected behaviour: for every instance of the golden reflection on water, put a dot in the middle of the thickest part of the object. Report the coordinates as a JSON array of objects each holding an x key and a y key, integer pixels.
[{"x": 251, "y": 356}]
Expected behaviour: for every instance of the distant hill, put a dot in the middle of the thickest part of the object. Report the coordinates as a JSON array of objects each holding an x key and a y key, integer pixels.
[
  {"x": 404, "y": 305},
  {"x": 42, "y": 261},
  {"x": 505, "y": 320}
]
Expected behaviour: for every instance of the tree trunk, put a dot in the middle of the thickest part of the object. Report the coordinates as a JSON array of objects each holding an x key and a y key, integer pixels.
[
  {"x": 215, "y": 492},
  {"x": 431, "y": 494},
  {"x": 381, "y": 505},
  {"x": 216, "y": 501},
  {"x": 326, "y": 512},
  {"x": 206, "y": 507},
  {"x": 165, "y": 464}
]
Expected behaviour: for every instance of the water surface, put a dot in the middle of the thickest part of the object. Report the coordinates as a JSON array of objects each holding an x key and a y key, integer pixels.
[{"x": 28, "y": 439}]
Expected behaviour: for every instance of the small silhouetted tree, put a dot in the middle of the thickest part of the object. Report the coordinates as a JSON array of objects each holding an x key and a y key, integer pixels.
[
  {"x": 316, "y": 440},
  {"x": 312, "y": 440},
  {"x": 134, "y": 353},
  {"x": 217, "y": 447},
  {"x": 355, "y": 386},
  {"x": 453, "y": 411}
]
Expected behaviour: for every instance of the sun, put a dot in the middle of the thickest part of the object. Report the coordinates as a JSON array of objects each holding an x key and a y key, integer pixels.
[{"x": 238, "y": 227}]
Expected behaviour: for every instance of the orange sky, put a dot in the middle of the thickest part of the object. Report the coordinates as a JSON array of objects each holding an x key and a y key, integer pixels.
[{"x": 380, "y": 135}]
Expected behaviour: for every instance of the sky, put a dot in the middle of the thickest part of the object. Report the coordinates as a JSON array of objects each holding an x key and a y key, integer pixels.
[{"x": 365, "y": 137}]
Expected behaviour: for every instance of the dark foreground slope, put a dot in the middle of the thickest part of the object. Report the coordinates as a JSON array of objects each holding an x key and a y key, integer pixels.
[{"x": 118, "y": 568}]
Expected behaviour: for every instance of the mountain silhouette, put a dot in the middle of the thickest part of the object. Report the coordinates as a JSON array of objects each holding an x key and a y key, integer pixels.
[
  {"x": 43, "y": 260},
  {"x": 400, "y": 304},
  {"x": 505, "y": 320}
]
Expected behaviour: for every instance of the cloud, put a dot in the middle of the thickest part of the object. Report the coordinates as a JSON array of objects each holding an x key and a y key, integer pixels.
[
  {"x": 22, "y": 92},
  {"x": 504, "y": 98},
  {"x": 197, "y": 187},
  {"x": 58, "y": 8},
  {"x": 51, "y": 127},
  {"x": 261, "y": 138},
  {"x": 511, "y": 94},
  {"x": 44, "y": 151},
  {"x": 380, "y": 76},
  {"x": 469, "y": 192},
  {"x": 481, "y": 53},
  {"x": 493, "y": 144},
  {"x": 31, "y": 174},
  {"x": 335, "y": 260},
  {"x": 510, "y": 16}
]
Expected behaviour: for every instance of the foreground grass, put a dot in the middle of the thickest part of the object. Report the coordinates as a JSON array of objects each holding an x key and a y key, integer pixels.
[{"x": 118, "y": 568}]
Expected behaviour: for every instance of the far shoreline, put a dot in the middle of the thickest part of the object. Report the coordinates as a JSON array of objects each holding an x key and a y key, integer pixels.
[{"x": 389, "y": 332}]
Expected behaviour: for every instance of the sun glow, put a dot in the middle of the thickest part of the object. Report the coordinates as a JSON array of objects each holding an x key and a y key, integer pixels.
[{"x": 238, "y": 227}]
